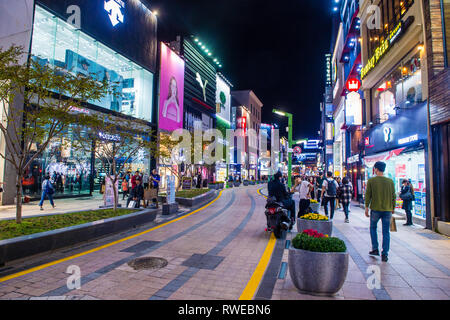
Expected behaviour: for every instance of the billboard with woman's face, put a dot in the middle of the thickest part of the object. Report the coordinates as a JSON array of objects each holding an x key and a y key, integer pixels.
[{"x": 171, "y": 90}]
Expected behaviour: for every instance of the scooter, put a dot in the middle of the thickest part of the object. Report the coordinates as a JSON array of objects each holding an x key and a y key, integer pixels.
[{"x": 277, "y": 217}]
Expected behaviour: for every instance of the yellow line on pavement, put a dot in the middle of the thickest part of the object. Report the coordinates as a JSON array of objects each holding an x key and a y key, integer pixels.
[
  {"x": 255, "y": 280},
  {"x": 22, "y": 273}
]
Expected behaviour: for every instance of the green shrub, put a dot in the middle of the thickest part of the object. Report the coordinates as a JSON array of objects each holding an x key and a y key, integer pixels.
[
  {"x": 306, "y": 242},
  {"x": 11, "y": 229}
]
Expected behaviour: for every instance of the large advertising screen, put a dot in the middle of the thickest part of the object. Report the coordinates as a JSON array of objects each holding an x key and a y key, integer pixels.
[
  {"x": 171, "y": 90},
  {"x": 223, "y": 99}
]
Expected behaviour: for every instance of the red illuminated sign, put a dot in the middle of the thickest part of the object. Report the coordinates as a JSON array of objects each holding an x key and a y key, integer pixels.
[
  {"x": 353, "y": 84},
  {"x": 367, "y": 141}
]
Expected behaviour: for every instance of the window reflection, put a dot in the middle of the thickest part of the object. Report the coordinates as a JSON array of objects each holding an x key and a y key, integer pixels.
[{"x": 60, "y": 45}]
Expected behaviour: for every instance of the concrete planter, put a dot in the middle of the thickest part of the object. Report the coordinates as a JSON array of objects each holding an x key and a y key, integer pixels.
[
  {"x": 325, "y": 227},
  {"x": 25, "y": 246},
  {"x": 252, "y": 183},
  {"x": 213, "y": 186},
  {"x": 236, "y": 184},
  {"x": 318, "y": 273},
  {"x": 246, "y": 183},
  {"x": 193, "y": 202},
  {"x": 230, "y": 185}
]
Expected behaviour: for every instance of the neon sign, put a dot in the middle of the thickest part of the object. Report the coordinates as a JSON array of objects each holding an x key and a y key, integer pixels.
[
  {"x": 382, "y": 49},
  {"x": 114, "y": 9}
]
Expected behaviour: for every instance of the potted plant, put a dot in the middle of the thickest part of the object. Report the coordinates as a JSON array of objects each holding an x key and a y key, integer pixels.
[
  {"x": 252, "y": 182},
  {"x": 318, "y": 264},
  {"x": 246, "y": 182},
  {"x": 212, "y": 185},
  {"x": 237, "y": 183},
  {"x": 229, "y": 184},
  {"x": 314, "y": 205},
  {"x": 315, "y": 221}
]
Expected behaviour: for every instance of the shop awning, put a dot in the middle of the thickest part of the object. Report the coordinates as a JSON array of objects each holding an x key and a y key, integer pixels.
[{"x": 369, "y": 161}]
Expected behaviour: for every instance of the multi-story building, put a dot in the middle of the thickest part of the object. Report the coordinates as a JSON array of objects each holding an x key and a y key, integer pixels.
[
  {"x": 199, "y": 94},
  {"x": 246, "y": 112},
  {"x": 92, "y": 38},
  {"x": 437, "y": 52},
  {"x": 396, "y": 88}
]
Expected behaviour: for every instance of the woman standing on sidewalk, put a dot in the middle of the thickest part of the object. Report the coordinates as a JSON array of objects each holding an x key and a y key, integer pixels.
[
  {"x": 346, "y": 193},
  {"x": 407, "y": 195},
  {"x": 47, "y": 190}
]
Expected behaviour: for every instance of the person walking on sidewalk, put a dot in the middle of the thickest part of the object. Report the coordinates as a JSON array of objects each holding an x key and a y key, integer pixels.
[
  {"x": 125, "y": 188},
  {"x": 346, "y": 193},
  {"x": 407, "y": 195},
  {"x": 380, "y": 197},
  {"x": 319, "y": 183},
  {"x": 47, "y": 191},
  {"x": 303, "y": 187},
  {"x": 329, "y": 193}
]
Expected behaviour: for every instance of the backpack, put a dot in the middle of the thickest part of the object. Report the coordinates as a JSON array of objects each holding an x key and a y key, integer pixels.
[
  {"x": 331, "y": 189},
  {"x": 49, "y": 188}
]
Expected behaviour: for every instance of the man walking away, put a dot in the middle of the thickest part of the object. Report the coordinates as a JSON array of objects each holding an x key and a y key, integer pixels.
[
  {"x": 47, "y": 190},
  {"x": 380, "y": 197},
  {"x": 346, "y": 193},
  {"x": 329, "y": 192}
]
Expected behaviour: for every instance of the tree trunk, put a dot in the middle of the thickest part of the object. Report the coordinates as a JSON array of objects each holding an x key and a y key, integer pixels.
[
  {"x": 19, "y": 201},
  {"x": 115, "y": 194}
]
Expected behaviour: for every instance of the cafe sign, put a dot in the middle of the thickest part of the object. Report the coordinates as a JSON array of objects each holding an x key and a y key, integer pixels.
[{"x": 393, "y": 36}]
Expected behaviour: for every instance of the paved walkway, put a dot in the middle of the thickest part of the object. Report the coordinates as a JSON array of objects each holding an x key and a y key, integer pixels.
[
  {"x": 61, "y": 206},
  {"x": 220, "y": 252},
  {"x": 418, "y": 266}
]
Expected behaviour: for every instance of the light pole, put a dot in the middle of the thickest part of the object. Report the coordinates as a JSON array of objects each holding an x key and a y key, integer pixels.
[{"x": 289, "y": 116}]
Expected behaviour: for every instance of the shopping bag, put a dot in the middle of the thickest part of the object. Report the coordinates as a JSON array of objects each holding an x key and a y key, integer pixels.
[
  {"x": 132, "y": 204},
  {"x": 393, "y": 225}
]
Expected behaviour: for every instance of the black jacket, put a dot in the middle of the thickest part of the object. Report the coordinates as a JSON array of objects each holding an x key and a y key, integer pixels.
[
  {"x": 278, "y": 190},
  {"x": 137, "y": 192}
]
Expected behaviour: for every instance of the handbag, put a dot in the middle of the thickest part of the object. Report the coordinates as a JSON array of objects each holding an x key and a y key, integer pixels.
[
  {"x": 132, "y": 204},
  {"x": 393, "y": 225}
]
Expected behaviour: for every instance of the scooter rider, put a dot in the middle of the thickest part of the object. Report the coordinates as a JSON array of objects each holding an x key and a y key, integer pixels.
[{"x": 278, "y": 190}]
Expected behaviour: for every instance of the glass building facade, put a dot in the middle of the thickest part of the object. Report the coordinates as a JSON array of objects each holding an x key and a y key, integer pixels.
[{"x": 67, "y": 49}]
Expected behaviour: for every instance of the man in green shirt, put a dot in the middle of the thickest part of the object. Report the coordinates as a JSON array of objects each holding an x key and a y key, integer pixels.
[{"x": 380, "y": 197}]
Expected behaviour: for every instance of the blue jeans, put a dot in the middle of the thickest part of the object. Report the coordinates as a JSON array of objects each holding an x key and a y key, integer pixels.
[
  {"x": 332, "y": 202},
  {"x": 385, "y": 217},
  {"x": 345, "y": 206},
  {"x": 50, "y": 197}
]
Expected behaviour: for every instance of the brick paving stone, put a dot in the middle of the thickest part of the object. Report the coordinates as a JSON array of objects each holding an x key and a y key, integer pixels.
[{"x": 409, "y": 272}]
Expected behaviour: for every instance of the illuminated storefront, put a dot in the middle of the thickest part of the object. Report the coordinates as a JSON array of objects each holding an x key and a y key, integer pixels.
[
  {"x": 402, "y": 146},
  {"x": 100, "y": 44}
]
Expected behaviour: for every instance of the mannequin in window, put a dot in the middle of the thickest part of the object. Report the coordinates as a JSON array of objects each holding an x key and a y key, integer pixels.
[{"x": 172, "y": 105}]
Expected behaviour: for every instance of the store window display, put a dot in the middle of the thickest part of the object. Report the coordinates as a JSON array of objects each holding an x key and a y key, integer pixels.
[
  {"x": 402, "y": 164},
  {"x": 402, "y": 88},
  {"x": 68, "y": 50}
]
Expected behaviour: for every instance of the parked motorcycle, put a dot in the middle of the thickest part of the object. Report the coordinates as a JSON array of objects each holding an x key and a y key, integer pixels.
[{"x": 277, "y": 217}]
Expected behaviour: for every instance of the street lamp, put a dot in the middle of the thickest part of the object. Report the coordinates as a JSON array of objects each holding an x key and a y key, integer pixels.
[{"x": 289, "y": 116}]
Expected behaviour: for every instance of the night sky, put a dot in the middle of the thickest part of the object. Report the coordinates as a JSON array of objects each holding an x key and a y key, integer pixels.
[{"x": 275, "y": 48}]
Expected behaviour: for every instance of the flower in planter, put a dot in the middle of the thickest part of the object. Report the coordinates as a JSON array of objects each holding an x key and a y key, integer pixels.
[
  {"x": 311, "y": 240},
  {"x": 314, "y": 216},
  {"x": 313, "y": 201}
]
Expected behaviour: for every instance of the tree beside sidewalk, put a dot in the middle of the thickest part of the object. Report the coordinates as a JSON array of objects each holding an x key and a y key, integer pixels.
[
  {"x": 115, "y": 143},
  {"x": 38, "y": 102}
]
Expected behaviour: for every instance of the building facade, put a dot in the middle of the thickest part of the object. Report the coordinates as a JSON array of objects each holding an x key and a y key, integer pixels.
[
  {"x": 395, "y": 85},
  {"x": 90, "y": 38}
]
